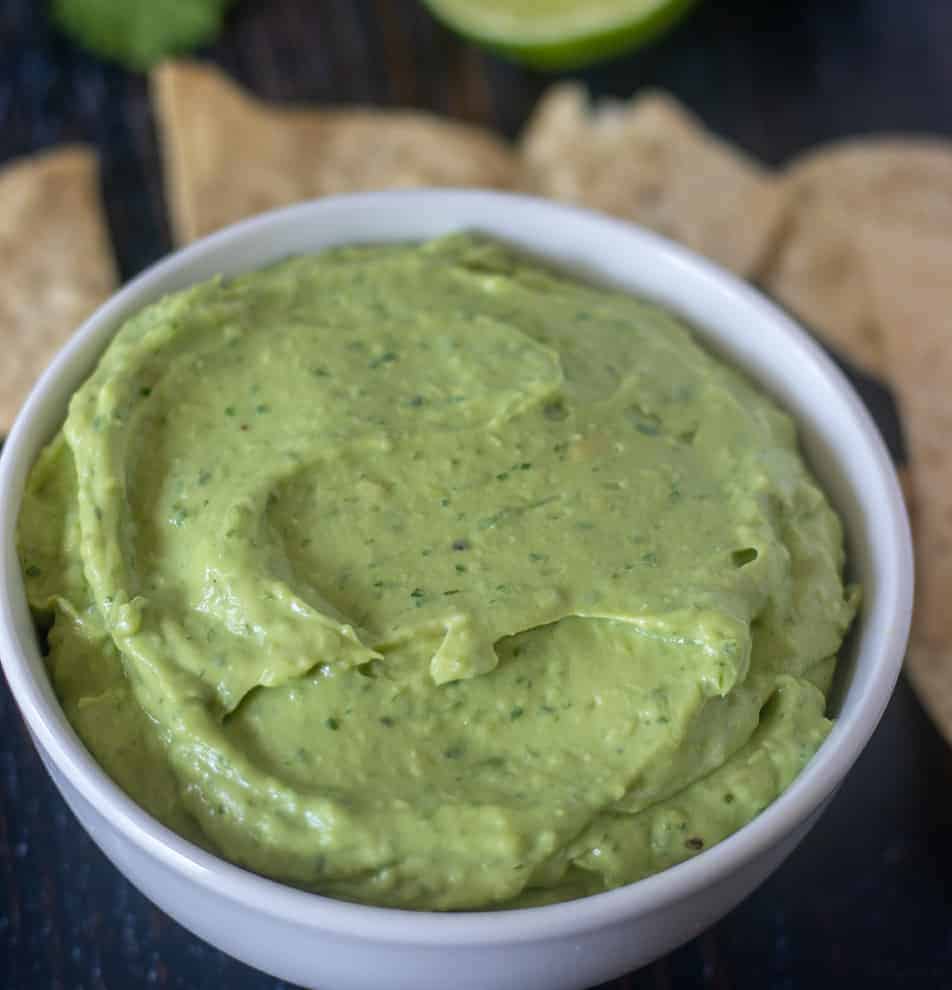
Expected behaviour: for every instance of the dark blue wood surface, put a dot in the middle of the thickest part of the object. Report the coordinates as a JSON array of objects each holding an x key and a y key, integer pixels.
[{"x": 864, "y": 901}]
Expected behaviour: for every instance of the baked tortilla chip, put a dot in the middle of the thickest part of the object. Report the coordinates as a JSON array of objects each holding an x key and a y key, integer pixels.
[
  {"x": 653, "y": 162},
  {"x": 815, "y": 269},
  {"x": 909, "y": 275},
  {"x": 815, "y": 272},
  {"x": 229, "y": 155},
  {"x": 893, "y": 181},
  {"x": 56, "y": 261}
]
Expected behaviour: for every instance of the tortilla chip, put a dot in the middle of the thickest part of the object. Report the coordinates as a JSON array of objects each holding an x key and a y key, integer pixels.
[
  {"x": 816, "y": 274},
  {"x": 653, "y": 162},
  {"x": 229, "y": 155},
  {"x": 904, "y": 182},
  {"x": 56, "y": 262},
  {"x": 815, "y": 269},
  {"x": 910, "y": 280}
]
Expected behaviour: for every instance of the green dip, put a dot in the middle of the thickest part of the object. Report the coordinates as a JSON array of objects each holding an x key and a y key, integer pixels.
[{"x": 423, "y": 576}]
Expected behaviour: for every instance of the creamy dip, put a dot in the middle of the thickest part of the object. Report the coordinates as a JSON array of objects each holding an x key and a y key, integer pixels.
[{"x": 424, "y": 576}]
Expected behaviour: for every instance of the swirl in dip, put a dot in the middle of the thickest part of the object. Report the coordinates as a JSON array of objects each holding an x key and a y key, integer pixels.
[{"x": 424, "y": 576}]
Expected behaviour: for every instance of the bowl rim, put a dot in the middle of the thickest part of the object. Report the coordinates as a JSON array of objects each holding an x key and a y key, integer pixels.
[{"x": 811, "y": 788}]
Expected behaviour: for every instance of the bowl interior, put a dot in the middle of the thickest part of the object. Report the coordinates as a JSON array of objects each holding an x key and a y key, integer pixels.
[{"x": 837, "y": 435}]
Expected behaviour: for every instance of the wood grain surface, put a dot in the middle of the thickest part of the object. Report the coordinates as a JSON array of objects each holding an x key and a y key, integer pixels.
[{"x": 864, "y": 899}]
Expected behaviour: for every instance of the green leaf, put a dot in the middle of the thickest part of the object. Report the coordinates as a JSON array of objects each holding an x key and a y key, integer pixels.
[{"x": 139, "y": 33}]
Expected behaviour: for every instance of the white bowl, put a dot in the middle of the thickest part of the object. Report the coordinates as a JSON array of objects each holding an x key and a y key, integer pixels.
[{"x": 320, "y": 942}]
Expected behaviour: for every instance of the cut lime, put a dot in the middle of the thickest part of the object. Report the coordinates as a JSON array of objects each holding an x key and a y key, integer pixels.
[{"x": 560, "y": 34}]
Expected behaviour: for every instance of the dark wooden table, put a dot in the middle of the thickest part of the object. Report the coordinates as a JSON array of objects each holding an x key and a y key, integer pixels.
[{"x": 864, "y": 901}]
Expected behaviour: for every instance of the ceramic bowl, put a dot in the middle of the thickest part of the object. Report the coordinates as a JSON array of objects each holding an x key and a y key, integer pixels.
[{"x": 320, "y": 942}]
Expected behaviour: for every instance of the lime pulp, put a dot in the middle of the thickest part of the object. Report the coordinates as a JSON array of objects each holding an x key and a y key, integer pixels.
[{"x": 560, "y": 34}]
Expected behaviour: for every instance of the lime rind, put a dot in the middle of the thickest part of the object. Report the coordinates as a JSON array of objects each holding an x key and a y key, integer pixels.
[{"x": 562, "y": 42}]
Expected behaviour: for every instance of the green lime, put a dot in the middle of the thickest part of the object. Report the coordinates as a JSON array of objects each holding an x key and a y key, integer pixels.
[{"x": 560, "y": 34}]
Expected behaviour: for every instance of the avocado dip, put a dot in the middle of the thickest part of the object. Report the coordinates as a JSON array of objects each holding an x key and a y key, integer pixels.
[{"x": 424, "y": 576}]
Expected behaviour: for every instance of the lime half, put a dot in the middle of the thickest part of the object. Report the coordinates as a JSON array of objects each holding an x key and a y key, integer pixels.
[{"x": 559, "y": 34}]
